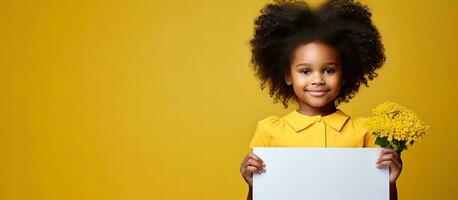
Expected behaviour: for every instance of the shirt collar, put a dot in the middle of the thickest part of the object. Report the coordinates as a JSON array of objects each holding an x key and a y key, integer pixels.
[{"x": 300, "y": 121}]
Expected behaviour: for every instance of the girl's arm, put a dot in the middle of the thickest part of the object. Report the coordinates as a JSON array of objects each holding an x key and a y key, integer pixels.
[
  {"x": 250, "y": 193},
  {"x": 393, "y": 191},
  {"x": 392, "y": 159}
]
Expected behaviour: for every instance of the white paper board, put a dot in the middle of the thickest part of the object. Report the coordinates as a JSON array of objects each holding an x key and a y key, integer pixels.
[{"x": 321, "y": 174}]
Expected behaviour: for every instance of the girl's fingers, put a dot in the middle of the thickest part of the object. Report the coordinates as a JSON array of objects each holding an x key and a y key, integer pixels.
[
  {"x": 386, "y": 150},
  {"x": 244, "y": 159},
  {"x": 255, "y": 157},
  {"x": 395, "y": 161},
  {"x": 251, "y": 164},
  {"x": 251, "y": 169},
  {"x": 384, "y": 163},
  {"x": 390, "y": 162},
  {"x": 387, "y": 156},
  {"x": 256, "y": 164},
  {"x": 398, "y": 161},
  {"x": 390, "y": 150},
  {"x": 250, "y": 156},
  {"x": 390, "y": 156},
  {"x": 248, "y": 175}
]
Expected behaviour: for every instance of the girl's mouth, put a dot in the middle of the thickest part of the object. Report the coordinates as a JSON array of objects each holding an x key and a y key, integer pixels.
[{"x": 316, "y": 93}]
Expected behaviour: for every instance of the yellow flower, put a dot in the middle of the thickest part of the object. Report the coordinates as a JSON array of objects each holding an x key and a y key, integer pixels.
[{"x": 395, "y": 126}]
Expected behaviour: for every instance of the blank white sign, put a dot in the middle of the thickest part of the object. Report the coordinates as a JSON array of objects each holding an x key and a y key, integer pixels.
[{"x": 321, "y": 174}]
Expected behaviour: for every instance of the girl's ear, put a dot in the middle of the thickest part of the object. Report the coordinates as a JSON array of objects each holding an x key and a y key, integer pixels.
[{"x": 288, "y": 79}]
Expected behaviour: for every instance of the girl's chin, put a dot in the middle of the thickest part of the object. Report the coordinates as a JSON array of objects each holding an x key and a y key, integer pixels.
[{"x": 316, "y": 103}]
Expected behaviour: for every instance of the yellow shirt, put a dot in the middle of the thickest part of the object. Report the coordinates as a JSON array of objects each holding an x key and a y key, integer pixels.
[{"x": 299, "y": 130}]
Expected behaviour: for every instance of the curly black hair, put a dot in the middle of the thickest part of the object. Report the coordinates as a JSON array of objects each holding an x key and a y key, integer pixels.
[{"x": 345, "y": 25}]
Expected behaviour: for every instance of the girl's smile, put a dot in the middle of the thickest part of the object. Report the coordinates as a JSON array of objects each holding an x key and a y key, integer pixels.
[
  {"x": 317, "y": 92},
  {"x": 316, "y": 77}
]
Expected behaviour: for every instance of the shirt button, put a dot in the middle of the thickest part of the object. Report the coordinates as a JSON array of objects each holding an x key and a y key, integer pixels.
[{"x": 318, "y": 119}]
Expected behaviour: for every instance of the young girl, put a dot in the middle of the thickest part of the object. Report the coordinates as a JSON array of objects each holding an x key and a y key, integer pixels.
[{"x": 318, "y": 58}]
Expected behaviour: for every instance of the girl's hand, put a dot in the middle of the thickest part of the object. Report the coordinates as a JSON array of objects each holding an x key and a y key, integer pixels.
[
  {"x": 251, "y": 164},
  {"x": 390, "y": 157}
]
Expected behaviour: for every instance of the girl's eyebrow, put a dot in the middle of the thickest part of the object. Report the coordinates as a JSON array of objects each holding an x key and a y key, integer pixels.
[
  {"x": 308, "y": 64},
  {"x": 303, "y": 64}
]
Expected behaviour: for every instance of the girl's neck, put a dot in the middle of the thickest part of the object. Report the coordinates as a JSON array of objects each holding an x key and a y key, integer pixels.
[{"x": 312, "y": 111}]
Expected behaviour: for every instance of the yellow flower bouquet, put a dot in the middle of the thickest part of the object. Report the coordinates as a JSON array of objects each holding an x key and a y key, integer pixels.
[{"x": 395, "y": 126}]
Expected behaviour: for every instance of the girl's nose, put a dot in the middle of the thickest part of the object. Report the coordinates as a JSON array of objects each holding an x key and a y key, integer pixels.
[
  {"x": 317, "y": 80},
  {"x": 321, "y": 82}
]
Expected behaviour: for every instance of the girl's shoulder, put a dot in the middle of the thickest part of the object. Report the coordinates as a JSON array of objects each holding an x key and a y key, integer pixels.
[
  {"x": 271, "y": 120},
  {"x": 357, "y": 123}
]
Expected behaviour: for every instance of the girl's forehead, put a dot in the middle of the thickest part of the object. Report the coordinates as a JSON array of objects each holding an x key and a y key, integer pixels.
[{"x": 315, "y": 52}]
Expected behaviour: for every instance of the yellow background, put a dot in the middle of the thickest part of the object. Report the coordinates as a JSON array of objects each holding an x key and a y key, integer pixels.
[{"x": 155, "y": 99}]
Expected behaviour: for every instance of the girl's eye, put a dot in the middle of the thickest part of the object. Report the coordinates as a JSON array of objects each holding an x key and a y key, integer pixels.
[
  {"x": 329, "y": 70},
  {"x": 305, "y": 71}
]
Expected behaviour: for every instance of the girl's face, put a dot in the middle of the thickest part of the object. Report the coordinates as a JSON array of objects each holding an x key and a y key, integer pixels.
[{"x": 316, "y": 74}]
